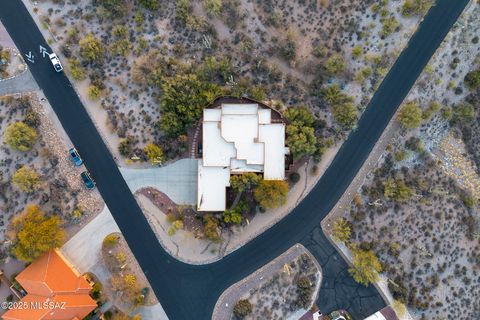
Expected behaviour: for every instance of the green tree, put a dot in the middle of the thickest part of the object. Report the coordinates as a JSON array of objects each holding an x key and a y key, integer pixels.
[
  {"x": 464, "y": 112},
  {"x": 35, "y": 234},
  {"x": 245, "y": 181},
  {"x": 342, "y": 230},
  {"x": 93, "y": 92},
  {"x": 154, "y": 153},
  {"x": 150, "y": 4},
  {"x": 114, "y": 8},
  {"x": 415, "y": 7},
  {"x": 232, "y": 216},
  {"x": 91, "y": 49},
  {"x": 76, "y": 70},
  {"x": 182, "y": 102},
  {"x": 19, "y": 136},
  {"x": 300, "y": 132},
  {"x": 472, "y": 79},
  {"x": 345, "y": 115},
  {"x": 389, "y": 26},
  {"x": 365, "y": 267},
  {"x": 212, "y": 7},
  {"x": 26, "y": 179},
  {"x": 210, "y": 228},
  {"x": 271, "y": 193},
  {"x": 397, "y": 190},
  {"x": 335, "y": 65},
  {"x": 410, "y": 115},
  {"x": 242, "y": 308}
]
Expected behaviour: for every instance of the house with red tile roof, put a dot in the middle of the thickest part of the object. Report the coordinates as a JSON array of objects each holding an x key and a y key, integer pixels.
[{"x": 55, "y": 291}]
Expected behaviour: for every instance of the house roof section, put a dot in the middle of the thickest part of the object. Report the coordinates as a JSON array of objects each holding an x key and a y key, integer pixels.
[
  {"x": 273, "y": 137},
  {"x": 212, "y": 182},
  {"x": 52, "y": 279},
  {"x": 237, "y": 138}
]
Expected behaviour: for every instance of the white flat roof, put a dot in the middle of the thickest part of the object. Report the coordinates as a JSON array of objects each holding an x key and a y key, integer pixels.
[
  {"x": 240, "y": 108},
  {"x": 237, "y": 138},
  {"x": 264, "y": 116},
  {"x": 216, "y": 151},
  {"x": 273, "y": 135},
  {"x": 212, "y": 115},
  {"x": 212, "y": 182}
]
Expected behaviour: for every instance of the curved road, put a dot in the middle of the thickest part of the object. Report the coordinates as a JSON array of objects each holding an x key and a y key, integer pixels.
[{"x": 190, "y": 291}]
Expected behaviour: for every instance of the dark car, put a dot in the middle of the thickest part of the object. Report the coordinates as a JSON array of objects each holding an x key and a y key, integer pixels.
[
  {"x": 87, "y": 180},
  {"x": 75, "y": 156}
]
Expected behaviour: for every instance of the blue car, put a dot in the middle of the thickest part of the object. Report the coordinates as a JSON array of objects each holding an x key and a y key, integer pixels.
[
  {"x": 75, "y": 156},
  {"x": 87, "y": 180}
]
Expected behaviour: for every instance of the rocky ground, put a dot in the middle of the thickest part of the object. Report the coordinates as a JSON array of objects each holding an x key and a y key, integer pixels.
[
  {"x": 61, "y": 192},
  {"x": 429, "y": 242},
  {"x": 286, "y": 63}
]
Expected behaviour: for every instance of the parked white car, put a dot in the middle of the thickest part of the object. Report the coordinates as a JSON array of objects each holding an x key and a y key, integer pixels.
[{"x": 56, "y": 62}]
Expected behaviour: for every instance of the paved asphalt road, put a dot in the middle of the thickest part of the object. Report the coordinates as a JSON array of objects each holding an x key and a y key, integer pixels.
[{"x": 188, "y": 291}]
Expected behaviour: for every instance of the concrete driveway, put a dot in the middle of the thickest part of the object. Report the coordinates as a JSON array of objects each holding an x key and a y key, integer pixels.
[{"x": 177, "y": 180}]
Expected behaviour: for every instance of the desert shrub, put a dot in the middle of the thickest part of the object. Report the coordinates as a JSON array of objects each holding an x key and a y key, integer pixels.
[
  {"x": 154, "y": 153},
  {"x": 26, "y": 179},
  {"x": 242, "y": 308},
  {"x": 397, "y": 190},
  {"x": 212, "y": 7},
  {"x": 410, "y": 115},
  {"x": 150, "y": 4},
  {"x": 365, "y": 266},
  {"x": 91, "y": 48},
  {"x": 271, "y": 193},
  {"x": 32, "y": 119},
  {"x": 125, "y": 147},
  {"x": 472, "y": 79},
  {"x": 110, "y": 240},
  {"x": 93, "y": 92},
  {"x": 210, "y": 228},
  {"x": 35, "y": 233},
  {"x": 294, "y": 177},
  {"x": 304, "y": 292},
  {"x": 76, "y": 70},
  {"x": 342, "y": 230},
  {"x": 245, "y": 181},
  {"x": 389, "y": 26},
  {"x": 19, "y": 136},
  {"x": 345, "y": 115},
  {"x": 415, "y": 7},
  {"x": 335, "y": 65},
  {"x": 464, "y": 112}
]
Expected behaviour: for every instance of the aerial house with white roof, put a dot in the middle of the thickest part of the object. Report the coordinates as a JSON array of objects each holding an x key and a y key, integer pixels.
[{"x": 238, "y": 136}]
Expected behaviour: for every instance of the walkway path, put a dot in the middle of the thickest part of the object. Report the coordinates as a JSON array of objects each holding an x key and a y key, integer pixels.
[
  {"x": 23, "y": 82},
  {"x": 177, "y": 180}
]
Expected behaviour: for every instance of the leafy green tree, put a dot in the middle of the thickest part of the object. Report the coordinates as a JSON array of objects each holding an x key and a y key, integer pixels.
[
  {"x": 182, "y": 102},
  {"x": 35, "y": 234},
  {"x": 232, "y": 216},
  {"x": 271, "y": 193},
  {"x": 26, "y": 179},
  {"x": 410, "y": 115},
  {"x": 154, "y": 153},
  {"x": 212, "y": 7},
  {"x": 93, "y": 92},
  {"x": 415, "y": 7},
  {"x": 114, "y": 8},
  {"x": 91, "y": 49},
  {"x": 212, "y": 69},
  {"x": 76, "y": 70},
  {"x": 335, "y": 65},
  {"x": 19, "y": 136},
  {"x": 334, "y": 96},
  {"x": 345, "y": 115},
  {"x": 389, "y": 26},
  {"x": 245, "y": 181},
  {"x": 300, "y": 132},
  {"x": 242, "y": 308},
  {"x": 464, "y": 112},
  {"x": 365, "y": 267},
  {"x": 210, "y": 228},
  {"x": 183, "y": 10},
  {"x": 397, "y": 190},
  {"x": 150, "y": 4},
  {"x": 342, "y": 230},
  {"x": 472, "y": 79}
]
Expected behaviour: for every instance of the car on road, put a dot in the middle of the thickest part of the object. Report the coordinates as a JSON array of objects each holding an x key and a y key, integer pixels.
[
  {"x": 56, "y": 62},
  {"x": 75, "y": 156},
  {"x": 87, "y": 180}
]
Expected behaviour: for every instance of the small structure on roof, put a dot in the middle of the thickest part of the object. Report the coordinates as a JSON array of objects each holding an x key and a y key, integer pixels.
[
  {"x": 238, "y": 136},
  {"x": 55, "y": 291}
]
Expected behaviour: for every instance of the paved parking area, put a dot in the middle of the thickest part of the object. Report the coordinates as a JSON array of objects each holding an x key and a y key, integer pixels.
[{"x": 177, "y": 180}]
